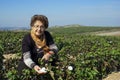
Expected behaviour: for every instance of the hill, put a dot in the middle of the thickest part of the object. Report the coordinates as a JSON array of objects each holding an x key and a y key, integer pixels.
[
  {"x": 77, "y": 29},
  {"x": 13, "y": 28}
]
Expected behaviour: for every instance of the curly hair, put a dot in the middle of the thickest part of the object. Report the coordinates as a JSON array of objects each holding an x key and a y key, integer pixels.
[{"x": 41, "y": 18}]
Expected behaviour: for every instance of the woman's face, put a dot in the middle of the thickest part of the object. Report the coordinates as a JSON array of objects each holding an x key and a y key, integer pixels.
[{"x": 38, "y": 28}]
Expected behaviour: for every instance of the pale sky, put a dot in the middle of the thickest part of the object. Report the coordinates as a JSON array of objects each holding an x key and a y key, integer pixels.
[{"x": 17, "y": 13}]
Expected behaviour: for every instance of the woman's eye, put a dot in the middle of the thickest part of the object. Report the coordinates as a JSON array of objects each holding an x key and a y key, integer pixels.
[
  {"x": 42, "y": 27},
  {"x": 37, "y": 26}
]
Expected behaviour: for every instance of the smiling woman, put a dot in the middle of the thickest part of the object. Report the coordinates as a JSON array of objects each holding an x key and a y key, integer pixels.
[
  {"x": 37, "y": 44},
  {"x": 39, "y": 23}
]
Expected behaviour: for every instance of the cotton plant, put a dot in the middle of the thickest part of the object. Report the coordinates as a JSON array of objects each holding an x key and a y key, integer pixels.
[{"x": 61, "y": 68}]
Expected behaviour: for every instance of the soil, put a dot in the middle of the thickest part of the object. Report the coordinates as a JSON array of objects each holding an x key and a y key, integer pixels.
[
  {"x": 10, "y": 56},
  {"x": 114, "y": 33},
  {"x": 113, "y": 76}
]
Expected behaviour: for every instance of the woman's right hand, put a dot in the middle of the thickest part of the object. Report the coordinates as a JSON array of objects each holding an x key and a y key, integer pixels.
[{"x": 37, "y": 69}]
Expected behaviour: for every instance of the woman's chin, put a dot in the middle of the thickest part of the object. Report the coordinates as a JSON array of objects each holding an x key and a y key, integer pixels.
[{"x": 38, "y": 34}]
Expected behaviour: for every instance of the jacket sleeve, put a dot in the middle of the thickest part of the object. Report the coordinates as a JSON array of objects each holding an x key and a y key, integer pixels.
[
  {"x": 51, "y": 43},
  {"x": 26, "y": 52}
]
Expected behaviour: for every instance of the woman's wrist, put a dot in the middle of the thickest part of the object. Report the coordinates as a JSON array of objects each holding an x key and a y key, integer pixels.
[{"x": 33, "y": 65}]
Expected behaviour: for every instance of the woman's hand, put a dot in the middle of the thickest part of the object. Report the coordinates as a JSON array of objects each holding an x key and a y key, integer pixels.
[
  {"x": 47, "y": 56},
  {"x": 38, "y": 69}
]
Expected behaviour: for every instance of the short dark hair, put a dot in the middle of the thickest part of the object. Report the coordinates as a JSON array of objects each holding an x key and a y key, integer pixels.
[{"x": 41, "y": 18}]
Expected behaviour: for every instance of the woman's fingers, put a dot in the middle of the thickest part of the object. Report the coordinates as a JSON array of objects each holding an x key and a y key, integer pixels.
[
  {"x": 38, "y": 69},
  {"x": 46, "y": 57}
]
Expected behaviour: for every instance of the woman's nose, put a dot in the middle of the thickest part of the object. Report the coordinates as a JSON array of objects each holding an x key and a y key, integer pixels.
[{"x": 39, "y": 28}]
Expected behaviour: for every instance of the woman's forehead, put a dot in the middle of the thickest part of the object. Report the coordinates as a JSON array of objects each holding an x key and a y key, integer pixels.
[{"x": 38, "y": 22}]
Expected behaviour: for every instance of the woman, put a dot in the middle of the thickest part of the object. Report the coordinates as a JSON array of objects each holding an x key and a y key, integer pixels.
[{"x": 37, "y": 44}]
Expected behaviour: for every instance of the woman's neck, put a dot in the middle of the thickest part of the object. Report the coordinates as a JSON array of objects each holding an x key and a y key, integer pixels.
[{"x": 40, "y": 36}]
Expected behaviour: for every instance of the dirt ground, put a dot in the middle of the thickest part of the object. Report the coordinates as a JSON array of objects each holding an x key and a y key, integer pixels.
[
  {"x": 116, "y": 33},
  {"x": 111, "y": 33},
  {"x": 10, "y": 56},
  {"x": 113, "y": 76}
]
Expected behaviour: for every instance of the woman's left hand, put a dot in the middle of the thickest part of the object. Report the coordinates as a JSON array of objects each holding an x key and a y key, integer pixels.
[{"x": 47, "y": 55}]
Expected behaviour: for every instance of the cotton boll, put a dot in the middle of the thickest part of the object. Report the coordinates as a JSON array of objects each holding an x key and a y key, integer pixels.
[
  {"x": 43, "y": 70},
  {"x": 70, "y": 68}
]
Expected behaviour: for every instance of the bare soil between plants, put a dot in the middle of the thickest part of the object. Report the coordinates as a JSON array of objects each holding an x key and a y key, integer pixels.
[
  {"x": 113, "y": 76},
  {"x": 107, "y": 33}
]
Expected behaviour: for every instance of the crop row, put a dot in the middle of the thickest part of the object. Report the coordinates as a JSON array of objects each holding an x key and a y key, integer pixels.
[{"x": 91, "y": 57}]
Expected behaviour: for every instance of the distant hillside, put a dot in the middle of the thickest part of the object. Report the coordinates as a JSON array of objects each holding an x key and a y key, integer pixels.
[
  {"x": 77, "y": 29},
  {"x": 67, "y": 29},
  {"x": 71, "y": 25},
  {"x": 13, "y": 28}
]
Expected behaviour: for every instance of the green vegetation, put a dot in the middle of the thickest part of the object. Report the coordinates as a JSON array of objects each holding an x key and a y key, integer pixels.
[
  {"x": 91, "y": 57},
  {"x": 1, "y": 58}
]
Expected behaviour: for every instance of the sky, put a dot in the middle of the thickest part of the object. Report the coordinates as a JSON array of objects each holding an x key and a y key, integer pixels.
[{"x": 17, "y": 13}]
